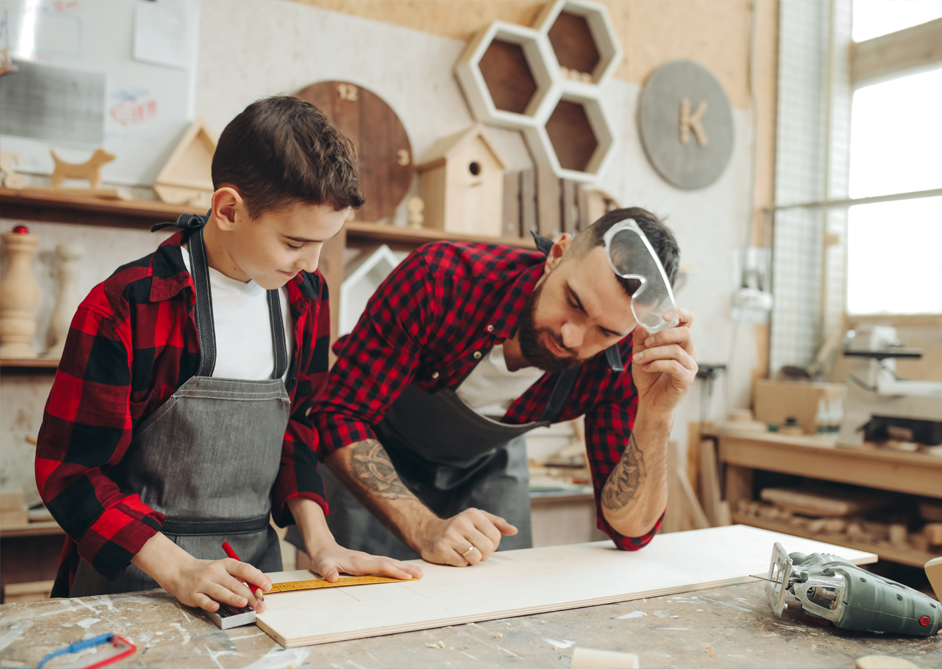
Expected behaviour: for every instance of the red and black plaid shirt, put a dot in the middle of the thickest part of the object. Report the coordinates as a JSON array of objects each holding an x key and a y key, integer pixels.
[
  {"x": 443, "y": 305},
  {"x": 132, "y": 343}
]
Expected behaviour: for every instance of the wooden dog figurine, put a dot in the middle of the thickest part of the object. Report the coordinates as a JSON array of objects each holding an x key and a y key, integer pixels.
[
  {"x": 10, "y": 178},
  {"x": 90, "y": 170}
]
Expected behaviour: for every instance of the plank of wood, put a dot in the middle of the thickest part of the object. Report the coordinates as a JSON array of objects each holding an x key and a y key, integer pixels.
[
  {"x": 547, "y": 202},
  {"x": 710, "y": 483},
  {"x": 823, "y": 502},
  {"x": 531, "y": 581},
  {"x": 528, "y": 201},
  {"x": 569, "y": 206},
  {"x": 698, "y": 518},
  {"x": 511, "y": 208}
]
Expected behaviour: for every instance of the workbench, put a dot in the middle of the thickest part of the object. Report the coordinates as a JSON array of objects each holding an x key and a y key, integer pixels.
[
  {"x": 730, "y": 626},
  {"x": 742, "y": 452}
]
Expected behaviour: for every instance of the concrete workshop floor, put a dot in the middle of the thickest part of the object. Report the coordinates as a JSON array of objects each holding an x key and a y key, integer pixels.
[{"x": 722, "y": 627}]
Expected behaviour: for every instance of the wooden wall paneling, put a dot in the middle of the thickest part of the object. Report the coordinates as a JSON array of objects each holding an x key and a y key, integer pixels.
[
  {"x": 527, "y": 582},
  {"x": 548, "y": 202},
  {"x": 528, "y": 201}
]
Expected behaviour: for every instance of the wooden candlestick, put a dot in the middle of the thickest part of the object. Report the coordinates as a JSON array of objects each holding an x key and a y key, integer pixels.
[
  {"x": 67, "y": 300},
  {"x": 19, "y": 295}
]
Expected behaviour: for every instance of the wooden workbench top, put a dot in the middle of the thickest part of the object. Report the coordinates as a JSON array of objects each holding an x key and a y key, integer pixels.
[{"x": 722, "y": 627}]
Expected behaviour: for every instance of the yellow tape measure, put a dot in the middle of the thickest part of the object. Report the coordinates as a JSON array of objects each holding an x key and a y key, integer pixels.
[{"x": 344, "y": 581}]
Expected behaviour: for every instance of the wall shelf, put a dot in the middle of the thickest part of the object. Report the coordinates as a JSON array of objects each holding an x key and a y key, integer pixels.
[
  {"x": 26, "y": 206},
  {"x": 29, "y": 363},
  {"x": 44, "y": 528}
]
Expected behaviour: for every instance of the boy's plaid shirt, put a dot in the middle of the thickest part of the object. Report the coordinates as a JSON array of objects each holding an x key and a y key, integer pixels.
[
  {"x": 439, "y": 312},
  {"x": 132, "y": 343}
]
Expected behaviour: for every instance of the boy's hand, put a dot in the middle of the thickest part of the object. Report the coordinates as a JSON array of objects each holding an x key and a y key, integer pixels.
[
  {"x": 330, "y": 560},
  {"x": 206, "y": 583},
  {"x": 201, "y": 583}
]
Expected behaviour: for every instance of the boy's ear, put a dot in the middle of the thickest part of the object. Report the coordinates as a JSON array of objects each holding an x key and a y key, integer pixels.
[{"x": 227, "y": 207}]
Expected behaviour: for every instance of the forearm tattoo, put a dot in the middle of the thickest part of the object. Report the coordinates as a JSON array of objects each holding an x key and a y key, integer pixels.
[
  {"x": 626, "y": 478},
  {"x": 372, "y": 467}
]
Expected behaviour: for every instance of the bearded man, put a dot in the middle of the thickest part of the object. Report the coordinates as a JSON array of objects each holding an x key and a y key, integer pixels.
[{"x": 465, "y": 348}]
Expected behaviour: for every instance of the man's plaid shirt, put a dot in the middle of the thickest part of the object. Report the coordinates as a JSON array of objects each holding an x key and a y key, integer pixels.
[
  {"x": 132, "y": 343},
  {"x": 432, "y": 320}
]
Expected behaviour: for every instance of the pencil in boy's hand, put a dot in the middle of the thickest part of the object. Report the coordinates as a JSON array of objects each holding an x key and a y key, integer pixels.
[{"x": 254, "y": 589}]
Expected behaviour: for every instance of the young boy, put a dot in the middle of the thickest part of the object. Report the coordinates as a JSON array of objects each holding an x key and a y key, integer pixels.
[{"x": 177, "y": 419}]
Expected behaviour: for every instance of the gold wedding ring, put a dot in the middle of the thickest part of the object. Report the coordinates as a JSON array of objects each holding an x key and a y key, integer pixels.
[{"x": 470, "y": 548}]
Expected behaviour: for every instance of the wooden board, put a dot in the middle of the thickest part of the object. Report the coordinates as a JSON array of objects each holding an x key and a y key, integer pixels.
[
  {"x": 547, "y": 202},
  {"x": 822, "y": 501},
  {"x": 385, "y": 155},
  {"x": 525, "y": 582}
]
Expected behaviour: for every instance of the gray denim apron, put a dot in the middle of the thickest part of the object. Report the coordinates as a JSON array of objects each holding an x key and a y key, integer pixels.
[
  {"x": 207, "y": 458},
  {"x": 452, "y": 458}
]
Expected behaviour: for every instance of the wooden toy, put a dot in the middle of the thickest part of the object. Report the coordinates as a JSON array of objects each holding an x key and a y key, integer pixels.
[
  {"x": 10, "y": 177},
  {"x": 90, "y": 169},
  {"x": 19, "y": 295},
  {"x": 186, "y": 177},
  {"x": 383, "y": 148},
  {"x": 67, "y": 299},
  {"x": 461, "y": 180}
]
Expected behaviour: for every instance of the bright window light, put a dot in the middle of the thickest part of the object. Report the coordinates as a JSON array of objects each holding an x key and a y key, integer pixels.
[
  {"x": 873, "y": 18},
  {"x": 894, "y": 257},
  {"x": 895, "y": 139}
]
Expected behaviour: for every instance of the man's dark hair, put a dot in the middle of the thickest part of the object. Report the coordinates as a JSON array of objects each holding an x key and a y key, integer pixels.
[
  {"x": 661, "y": 238},
  {"x": 282, "y": 150}
]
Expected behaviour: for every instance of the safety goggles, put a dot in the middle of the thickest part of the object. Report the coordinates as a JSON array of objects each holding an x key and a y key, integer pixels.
[{"x": 631, "y": 257}]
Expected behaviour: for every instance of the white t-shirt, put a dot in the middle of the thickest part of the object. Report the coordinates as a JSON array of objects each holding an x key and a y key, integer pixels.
[
  {"x": 491, "y": 388},
  {"x": 244, "y": 346}
]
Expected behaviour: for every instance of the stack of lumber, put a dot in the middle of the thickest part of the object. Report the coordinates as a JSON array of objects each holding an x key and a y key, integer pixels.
[{"x": 857, "y": 516}]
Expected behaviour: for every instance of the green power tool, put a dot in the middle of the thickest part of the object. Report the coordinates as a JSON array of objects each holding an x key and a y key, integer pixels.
[{"x": 851, "y": 598}]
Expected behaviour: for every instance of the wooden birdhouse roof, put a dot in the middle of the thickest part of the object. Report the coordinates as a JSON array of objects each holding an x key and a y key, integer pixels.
[{"x": 444, "y": 148}]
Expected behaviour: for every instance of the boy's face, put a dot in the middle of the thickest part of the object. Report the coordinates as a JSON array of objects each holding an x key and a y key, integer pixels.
[{"x": 274, "y": 247}]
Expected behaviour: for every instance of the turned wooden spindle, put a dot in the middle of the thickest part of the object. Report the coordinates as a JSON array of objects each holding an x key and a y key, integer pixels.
[
  {"x": 19, "y": 295},
  {"x": 67, "y": 300}
]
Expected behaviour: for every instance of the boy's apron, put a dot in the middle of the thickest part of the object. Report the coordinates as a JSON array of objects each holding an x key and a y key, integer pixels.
[
  {"x": 207, "y": 458},
  {"x": 452, "y": 458}
]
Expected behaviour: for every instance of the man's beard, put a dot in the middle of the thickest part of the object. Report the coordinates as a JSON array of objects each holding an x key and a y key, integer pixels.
[{"x": 536, "y": 353}]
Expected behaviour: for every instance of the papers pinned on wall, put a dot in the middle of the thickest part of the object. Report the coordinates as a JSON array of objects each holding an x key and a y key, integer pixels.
[{"x": 165, "y": 32}]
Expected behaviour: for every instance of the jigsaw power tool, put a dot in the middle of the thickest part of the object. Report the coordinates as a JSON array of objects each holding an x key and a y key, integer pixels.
[{"x": 851, "y": 598}]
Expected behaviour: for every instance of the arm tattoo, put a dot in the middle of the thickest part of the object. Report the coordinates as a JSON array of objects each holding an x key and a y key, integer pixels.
[
  {"x": 374, "y": 470},
  {"x": 626, "y": 478}
]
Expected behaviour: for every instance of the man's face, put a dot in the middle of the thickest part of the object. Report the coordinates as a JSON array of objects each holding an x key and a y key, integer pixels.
[
  {"x": 577, "y": 310},
  {"x": 274, "y": 247}
]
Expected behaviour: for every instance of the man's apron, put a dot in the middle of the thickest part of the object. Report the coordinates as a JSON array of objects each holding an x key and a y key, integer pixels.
[
  {"x": 452, "y": 458},
  {"x": 207, "y": 458}
]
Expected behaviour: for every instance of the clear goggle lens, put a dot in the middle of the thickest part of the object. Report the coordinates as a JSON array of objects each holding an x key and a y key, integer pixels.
[{"x": 631, "y": 257}]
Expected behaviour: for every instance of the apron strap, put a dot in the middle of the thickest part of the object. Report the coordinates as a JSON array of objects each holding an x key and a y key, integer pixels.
[
  {"x": 560, "y": 395},
  {"x": 277, "y": 335},
  {"x": 205, "y": 327}
]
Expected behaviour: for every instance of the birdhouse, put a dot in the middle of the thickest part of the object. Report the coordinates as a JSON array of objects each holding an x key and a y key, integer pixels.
[{"x": 461, "y": 181}]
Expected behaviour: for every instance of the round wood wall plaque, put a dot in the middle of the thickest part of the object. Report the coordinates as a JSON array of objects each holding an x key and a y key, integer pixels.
[
  {"x": 385, "y": 155},
  {"x": 686, "y": 124}
]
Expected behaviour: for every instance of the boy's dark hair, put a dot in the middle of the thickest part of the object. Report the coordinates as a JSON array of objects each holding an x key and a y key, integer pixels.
[
  {"x": 281, "y": 150},
  {"x": 660, "y": 236}
]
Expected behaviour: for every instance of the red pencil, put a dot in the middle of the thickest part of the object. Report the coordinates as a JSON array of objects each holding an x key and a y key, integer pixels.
[{"x": 254, "y": 589}]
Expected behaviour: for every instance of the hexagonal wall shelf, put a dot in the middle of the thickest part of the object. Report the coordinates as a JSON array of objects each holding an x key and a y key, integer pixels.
[
  {"x": 507, "y": 73},
  {"x": 582, "y": 40},
  {"x": 576, "y": 140},
  {"x": 546, "y": 81}
]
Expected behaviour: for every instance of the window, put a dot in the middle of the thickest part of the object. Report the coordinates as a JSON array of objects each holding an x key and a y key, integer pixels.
[{"x": 894, "y": 248}]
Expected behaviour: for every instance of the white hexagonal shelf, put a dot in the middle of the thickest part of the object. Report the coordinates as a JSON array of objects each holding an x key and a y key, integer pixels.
[
  {"x": 576, "y": 140},
  {"x": 508, "y": 74},
  {"x": 582, "y": 41}
]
